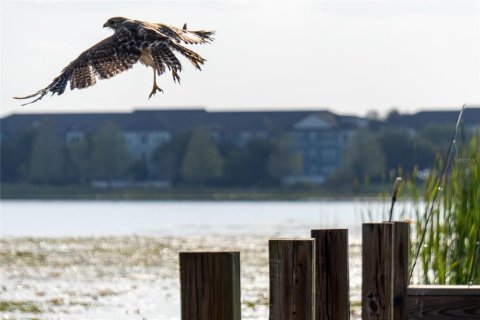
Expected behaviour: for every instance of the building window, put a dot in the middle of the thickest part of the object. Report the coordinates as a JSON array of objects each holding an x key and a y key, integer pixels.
[
  {"x": 159, "y": 138},
  {"x": 74, "y": 137}
]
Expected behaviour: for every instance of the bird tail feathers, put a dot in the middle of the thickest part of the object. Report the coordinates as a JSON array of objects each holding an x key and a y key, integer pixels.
[
  {"x": 191, "y": 55},
  {"x": 206, "y": 36}
]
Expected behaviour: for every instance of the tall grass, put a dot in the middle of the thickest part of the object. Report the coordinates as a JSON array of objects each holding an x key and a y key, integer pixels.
[{"x": 448, "y": 251}]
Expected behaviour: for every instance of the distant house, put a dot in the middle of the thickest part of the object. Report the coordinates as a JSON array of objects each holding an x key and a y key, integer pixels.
[
  {"x": 414, "y": 122},
  {"x": 318, "y": 136}
]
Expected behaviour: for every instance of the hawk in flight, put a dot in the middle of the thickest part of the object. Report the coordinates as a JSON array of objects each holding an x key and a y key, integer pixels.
[{"x": 153, "y": 44}]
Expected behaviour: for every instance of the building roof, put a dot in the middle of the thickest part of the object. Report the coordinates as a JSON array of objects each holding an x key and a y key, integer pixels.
[
  {"x": 471, "y": 117},
  {"x": 175, "y": 120},
  {"x": 178, "y": 120}
]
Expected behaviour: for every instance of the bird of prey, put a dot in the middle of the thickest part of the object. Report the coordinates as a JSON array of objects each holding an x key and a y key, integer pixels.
[{"x": 153, "y": 44}]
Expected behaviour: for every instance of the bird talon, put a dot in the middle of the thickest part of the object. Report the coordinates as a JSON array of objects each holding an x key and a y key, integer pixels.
[{"x": 154, "y": 91}]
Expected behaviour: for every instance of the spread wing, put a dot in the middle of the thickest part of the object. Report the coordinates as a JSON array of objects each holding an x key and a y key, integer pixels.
[
  {"x": 104, "y": 60},
  {"x": 184, "y": 35}
]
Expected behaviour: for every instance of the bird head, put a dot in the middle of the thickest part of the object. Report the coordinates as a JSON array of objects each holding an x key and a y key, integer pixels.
[{"x": 114, "y": 23}]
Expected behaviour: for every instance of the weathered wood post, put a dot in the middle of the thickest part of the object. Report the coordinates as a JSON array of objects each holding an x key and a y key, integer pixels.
[
  {"x": 291, "y": 279},
  {"x": 210, "y": 285},
  {"x": 332, "y": 300},
  {"x": 377, "y": 271},
  {"x": 401, "y": 243}
]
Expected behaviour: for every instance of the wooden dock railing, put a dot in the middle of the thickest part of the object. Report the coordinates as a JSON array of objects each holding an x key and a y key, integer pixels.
[{"x": 309, "y": 281}]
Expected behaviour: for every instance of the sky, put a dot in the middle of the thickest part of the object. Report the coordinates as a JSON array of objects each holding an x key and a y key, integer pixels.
[{"x": 346, "y": 56}]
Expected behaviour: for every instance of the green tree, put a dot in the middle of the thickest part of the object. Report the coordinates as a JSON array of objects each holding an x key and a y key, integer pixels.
[
  {"x": 437, "y": 135},
  {"x": 78, "y": 160},
  {"x": 15, "y": 155},
  {"x": 202, "y": 161},
  {"x": 167, "y": 158},
  {"x": 248, "y": 166},
  {"x": 235, "y": 172},
  {"x": 423, "y": 153},
  {"x": 283, "y": 160},
  {"x": 362, "y": 160},
  {"x": 393, "y": 114},
  {"x": 109, "y": 157},
  {"x": 256, "y": 162},
  {"x": 138, "y": 170},
  {"x": 398, "y": 147},
  {"x": 47, "y": 157}
]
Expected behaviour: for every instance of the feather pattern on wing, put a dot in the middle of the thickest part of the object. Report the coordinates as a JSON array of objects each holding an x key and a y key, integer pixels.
[{"x": 106, "y": 59}]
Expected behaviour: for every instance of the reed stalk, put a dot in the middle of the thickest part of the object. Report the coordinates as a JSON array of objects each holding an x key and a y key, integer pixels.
[{"x": 447, "y": 255}]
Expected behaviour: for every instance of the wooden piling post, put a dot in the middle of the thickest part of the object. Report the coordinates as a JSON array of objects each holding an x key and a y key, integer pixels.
[
  {"x": 332, "y": 300},
  {"x": 210, "y": 285},
  {"x": 291, "y": 279},
  {"x": 377, "y": 271},
  {"x": 401, "y": 243}
]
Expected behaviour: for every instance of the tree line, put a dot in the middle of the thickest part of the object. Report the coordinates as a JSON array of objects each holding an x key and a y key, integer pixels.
[
  {"x": 39, "y": 155},
  {"x": 380, "y": 156}
]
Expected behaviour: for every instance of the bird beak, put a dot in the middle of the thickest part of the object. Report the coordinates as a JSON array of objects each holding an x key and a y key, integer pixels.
[{"x": 105, "y": 25}]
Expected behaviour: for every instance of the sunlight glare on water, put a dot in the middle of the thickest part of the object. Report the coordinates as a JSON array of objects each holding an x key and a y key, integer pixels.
[{"x": 119, "y": 259}]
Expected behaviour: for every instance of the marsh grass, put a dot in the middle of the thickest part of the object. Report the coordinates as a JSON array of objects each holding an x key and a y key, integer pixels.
[{"x": 448, "y": 251}]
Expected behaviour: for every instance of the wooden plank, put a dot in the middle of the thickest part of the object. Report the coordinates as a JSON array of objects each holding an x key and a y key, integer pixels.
[
  {"x": 377, "y": 269},
  {"x": 210, "y": 285},
  {"x": 291, "y": 265},
  {"x": 400, "y": 269},
  {"x": 443, "y": 290},
  {"x": 443, "y": 302},
  {"x": 332, "y": 300}
]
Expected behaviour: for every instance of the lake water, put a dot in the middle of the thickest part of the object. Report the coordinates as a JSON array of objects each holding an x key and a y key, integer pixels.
[
  {"x": 184, "y": 218},
  {"x": 119, "y": 259}
]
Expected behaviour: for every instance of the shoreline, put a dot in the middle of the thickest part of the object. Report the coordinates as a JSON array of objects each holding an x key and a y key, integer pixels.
[{"x": 74, "y": 192}]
